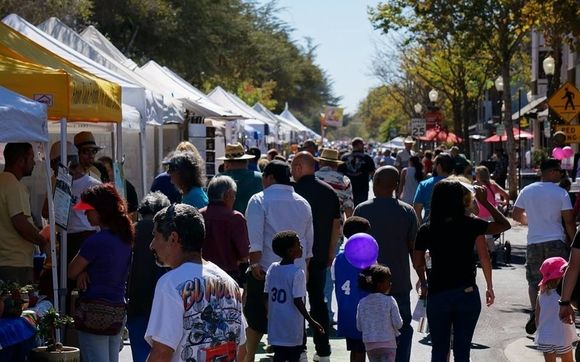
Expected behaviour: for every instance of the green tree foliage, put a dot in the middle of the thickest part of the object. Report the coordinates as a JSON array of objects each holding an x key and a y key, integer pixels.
[
  {"x": 243, "y": 47},
  {"x": 380, "y": 111},
  {"x": 495, "y": 27},
  {"x": 71, "y": 12},
  {"x": 237, "y": 44}
]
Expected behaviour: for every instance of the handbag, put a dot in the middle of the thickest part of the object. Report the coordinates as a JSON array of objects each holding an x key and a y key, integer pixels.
[{"x": 99, "y": 316}]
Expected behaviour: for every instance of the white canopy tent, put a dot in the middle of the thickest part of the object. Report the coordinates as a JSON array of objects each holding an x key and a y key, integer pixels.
[
  {"x": 283, "y": 129},
  {"x": 193, "y": 99},
  {"x": 253, "y": 118},
  {"x": 94, "y": 37},
  {"x": 159, "y": 109},
  {"x": 24, "y": 120},
  {"x": 286, "y": 114}
]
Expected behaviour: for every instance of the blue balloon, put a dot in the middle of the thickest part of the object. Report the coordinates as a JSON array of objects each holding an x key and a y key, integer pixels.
[{"x": 361, "y": 250}]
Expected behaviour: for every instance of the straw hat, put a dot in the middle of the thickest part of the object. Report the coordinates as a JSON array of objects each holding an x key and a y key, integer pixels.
[
  {"x": 71, "y": 150},
  {"x": 409, "y": 139},
  {"x": 85, "y": 140},
  {"x": 329, "y": 155},
  {"x": 235, "y": 151}
]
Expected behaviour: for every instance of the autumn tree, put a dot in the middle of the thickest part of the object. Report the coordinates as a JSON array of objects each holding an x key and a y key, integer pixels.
[{"x": 496, "y": 27}]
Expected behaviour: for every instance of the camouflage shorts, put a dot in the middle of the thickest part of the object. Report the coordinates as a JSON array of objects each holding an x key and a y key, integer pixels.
[{"x": 537, "y": 253}]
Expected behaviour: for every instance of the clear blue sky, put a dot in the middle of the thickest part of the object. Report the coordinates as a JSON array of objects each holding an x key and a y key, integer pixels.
[{"x": 345, "y": 40}]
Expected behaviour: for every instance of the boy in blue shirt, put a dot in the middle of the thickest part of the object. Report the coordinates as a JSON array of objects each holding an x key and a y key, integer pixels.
[
  {"x": 285, "y": 288},
  {"x": 348, "y": 293}
]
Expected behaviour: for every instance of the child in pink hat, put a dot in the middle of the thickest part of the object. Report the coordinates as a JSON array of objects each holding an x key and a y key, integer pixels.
[{"x": 553, "y": 337}]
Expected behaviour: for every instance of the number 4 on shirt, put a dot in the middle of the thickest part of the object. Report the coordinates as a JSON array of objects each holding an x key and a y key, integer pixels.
[{"x": 346, "y": 287}]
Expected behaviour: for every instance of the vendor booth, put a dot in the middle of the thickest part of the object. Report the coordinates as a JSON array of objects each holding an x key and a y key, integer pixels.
[
  {"x": 24, "y": 120},
  {"x": 83, "y": 97}
]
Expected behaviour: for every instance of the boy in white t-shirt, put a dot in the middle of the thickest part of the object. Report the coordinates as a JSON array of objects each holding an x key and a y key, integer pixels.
[{"x": 285, "y": 289}]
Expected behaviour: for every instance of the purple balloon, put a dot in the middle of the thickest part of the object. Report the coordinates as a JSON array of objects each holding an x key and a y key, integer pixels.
[{"x": 361, "y": 250}]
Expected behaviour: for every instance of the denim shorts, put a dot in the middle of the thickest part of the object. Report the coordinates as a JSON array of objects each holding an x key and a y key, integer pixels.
[{"x": 537, "y": 253}]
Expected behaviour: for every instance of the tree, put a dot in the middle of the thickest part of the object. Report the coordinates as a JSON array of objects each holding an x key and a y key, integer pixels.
[
  {"x": 71, "y": 12},
  {"x": 380, "y": 111},
  {"x": 497, "y": 27}
]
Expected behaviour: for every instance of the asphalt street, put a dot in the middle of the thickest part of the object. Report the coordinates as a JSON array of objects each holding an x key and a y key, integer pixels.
[{"x": 499, "y": 335}]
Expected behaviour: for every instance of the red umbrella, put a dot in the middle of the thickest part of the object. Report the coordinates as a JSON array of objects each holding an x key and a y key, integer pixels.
[{"x": 517, "y": 134}]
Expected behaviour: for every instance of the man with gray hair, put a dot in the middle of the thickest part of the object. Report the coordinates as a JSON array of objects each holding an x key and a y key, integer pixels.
[
  {"x": 197, "y": 307},
  {"x": 226, "y": 239}
]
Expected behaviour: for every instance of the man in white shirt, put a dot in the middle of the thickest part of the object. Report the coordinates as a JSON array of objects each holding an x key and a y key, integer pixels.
[
  {"x": 197, "y": 307},
  {"x": 542, "y": 206},
  {"x": 277, "y": 208},
  {"x": 403, "y": 157}
]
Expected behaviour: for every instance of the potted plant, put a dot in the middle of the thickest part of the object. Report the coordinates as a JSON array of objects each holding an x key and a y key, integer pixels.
[
  {"x": 47, "y": 326},
  {"x": 11, "y": 301}
]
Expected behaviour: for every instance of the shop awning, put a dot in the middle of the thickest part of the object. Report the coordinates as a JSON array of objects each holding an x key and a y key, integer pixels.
[{"x": 528, "y": 108}]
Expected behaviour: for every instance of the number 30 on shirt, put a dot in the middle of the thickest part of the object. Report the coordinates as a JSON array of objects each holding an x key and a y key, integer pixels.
[{"x": 278, "y": 295}]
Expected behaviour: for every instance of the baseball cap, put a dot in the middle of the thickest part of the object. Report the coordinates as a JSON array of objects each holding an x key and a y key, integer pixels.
[{"x": 552, "y": 268}]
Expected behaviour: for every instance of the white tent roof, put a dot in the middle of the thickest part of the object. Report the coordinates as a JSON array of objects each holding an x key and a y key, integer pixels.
[
  {"x": 132, "y": 94},
  {"x": 98, "y": 40},
  {"x": 21, "y": 119},
  {"x": 192, "y": 98},
  {"x": 231, "y": 101},
  {"x": 285, "y": 125},
  {"x": 286, "y": 114},
  {"x": 157, "y": 110}
]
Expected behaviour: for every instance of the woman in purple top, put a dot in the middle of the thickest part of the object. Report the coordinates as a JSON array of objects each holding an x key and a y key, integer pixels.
[{"x": 102, "y": 264}]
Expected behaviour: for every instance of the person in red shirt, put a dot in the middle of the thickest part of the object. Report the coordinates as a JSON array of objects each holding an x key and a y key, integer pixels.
[{"x": 226, "y": 240}]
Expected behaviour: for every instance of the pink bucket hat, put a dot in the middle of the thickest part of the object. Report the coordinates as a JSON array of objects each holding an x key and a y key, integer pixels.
[{"x": 552, "y": 268}]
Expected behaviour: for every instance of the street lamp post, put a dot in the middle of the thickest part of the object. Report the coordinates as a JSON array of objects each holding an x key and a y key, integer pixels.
[
  {"x": 433, "y": 97},
  {"x": 418, "y": 108},
  {"x": 549, "y": 66}
]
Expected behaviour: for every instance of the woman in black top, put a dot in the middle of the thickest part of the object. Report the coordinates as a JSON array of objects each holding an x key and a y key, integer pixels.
[{"x": 453, "y": 301}]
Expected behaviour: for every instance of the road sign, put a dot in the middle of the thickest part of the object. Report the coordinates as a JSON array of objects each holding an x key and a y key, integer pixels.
[
  {"x": 418, "y": 127},
  {"x": 572, "y": 133},
  {"x": 566, "y": 102},
  {"x": 500, "y": 130},
  {"x": 433, "y": 119}
]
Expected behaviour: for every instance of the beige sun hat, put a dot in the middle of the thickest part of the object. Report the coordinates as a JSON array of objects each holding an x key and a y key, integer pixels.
[
  {"x": 85, "y": 140},
  {"x": 235, "y": 151},
  {"x": 409, "y": 139},
  {"x": 329, "y": 155}
]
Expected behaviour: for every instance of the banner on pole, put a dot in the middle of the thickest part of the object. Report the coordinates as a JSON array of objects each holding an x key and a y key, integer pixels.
[{"x": 333, "y": 117}]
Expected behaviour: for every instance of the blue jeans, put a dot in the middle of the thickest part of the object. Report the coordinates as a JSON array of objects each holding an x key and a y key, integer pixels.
[
  {"x": 458, "y": 309},
  {"x": 95, "y": 348},
  {"x": 137, "y": 325},
  {"x": 406, "y": 337}
]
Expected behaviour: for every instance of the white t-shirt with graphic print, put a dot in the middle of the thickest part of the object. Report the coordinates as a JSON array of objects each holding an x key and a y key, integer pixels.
[
  {"x": 285, "y": 322},
  {"x": 197, "y": 306}
]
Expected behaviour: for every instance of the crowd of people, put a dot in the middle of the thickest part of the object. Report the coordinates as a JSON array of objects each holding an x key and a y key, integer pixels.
[{"x": 208, "y": 268}]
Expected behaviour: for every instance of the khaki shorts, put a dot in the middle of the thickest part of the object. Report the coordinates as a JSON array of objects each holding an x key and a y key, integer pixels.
[{"x": 537, "y": 253}]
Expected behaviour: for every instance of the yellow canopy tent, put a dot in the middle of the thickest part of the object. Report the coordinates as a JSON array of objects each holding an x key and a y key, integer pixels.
[
  {"x": 43, "y": 84},
  {"x": 89, "y": 98}
]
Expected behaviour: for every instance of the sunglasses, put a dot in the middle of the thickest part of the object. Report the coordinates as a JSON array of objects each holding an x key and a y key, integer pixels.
[{"x": 89, "y": 151}]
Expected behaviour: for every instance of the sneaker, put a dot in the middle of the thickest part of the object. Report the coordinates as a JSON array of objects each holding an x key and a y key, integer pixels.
[
  {"x": 531, "y": 324},
  {"x": 317, "y": 358}
]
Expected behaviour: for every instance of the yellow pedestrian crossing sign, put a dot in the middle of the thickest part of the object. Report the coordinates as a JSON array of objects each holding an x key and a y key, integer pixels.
[{"x": 566, "y": 102}]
